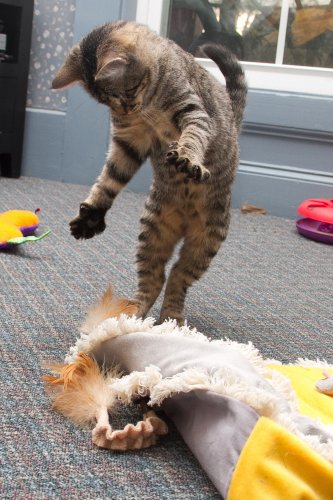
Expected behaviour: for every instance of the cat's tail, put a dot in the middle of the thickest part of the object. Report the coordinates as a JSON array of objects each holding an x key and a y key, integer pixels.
[{"x": 234, "y": 77}]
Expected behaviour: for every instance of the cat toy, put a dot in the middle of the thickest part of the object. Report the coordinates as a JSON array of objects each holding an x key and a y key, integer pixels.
[
  {"x": 17, "y": 227},
  {"x": 257, "y": 427},
  {"x": 318, "y": 222}
]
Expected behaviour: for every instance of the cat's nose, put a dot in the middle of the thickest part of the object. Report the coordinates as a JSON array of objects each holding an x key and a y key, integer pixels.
[
  {"x": 129, "y": 108},
  {"x": 125, "y": 106}
]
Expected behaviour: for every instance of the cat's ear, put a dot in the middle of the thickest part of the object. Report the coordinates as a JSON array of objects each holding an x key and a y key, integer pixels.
[
  {"x": 113, "y": 68},
  {"x": 70, "y": 72}
]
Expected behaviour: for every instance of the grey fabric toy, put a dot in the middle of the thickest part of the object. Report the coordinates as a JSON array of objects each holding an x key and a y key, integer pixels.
[{"x": 215, "y": 392}]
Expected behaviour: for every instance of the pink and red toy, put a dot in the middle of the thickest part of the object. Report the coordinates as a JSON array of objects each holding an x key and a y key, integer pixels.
[{"x": 318, "y": 222}]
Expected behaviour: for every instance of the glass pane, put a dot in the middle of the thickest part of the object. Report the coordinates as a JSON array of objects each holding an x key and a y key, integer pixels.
[
  {"x": 310, "y": 34},
  {"x": 250, "y": 28}
]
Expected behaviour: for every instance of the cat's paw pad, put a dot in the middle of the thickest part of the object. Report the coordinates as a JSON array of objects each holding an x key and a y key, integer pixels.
[
  {"x": 182, "y": 164},
  {"x": 199, "y": 173},
  {"x": 88, "y": 223}
]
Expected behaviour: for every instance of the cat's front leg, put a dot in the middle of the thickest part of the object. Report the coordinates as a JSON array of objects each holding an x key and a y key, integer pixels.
[
  {"x": 178, "y": 157},
  {"x": 122, "y": 163},
  {"x": 188, "y": 153},
  {"x": 91, "y": 218},
  {"x": 88, "y": 223}
]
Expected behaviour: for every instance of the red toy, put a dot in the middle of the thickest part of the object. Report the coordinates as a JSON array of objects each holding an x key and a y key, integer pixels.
[{"x": 318, "y": 224}]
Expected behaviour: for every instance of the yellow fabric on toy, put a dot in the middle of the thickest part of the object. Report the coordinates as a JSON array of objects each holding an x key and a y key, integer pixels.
[
  {"x": 8, "y": 231},
  {"x": 11, "y": 222},
  {"x": 274, "y": 465},
  {"x": 20, "y": 218},
  {"x": 311, "y": 402}
]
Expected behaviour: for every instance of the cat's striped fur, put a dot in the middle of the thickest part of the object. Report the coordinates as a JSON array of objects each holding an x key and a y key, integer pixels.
[{"x": 164, "y": 106}]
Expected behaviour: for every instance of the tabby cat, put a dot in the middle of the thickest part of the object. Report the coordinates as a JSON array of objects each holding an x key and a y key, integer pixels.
[{"x": 164, "y": 106}]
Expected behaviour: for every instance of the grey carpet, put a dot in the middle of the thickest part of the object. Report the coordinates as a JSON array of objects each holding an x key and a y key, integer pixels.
[{"x": 268, "y": 285}]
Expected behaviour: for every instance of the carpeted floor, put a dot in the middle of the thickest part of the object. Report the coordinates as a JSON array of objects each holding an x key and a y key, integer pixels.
[{"x": 268, "y": 285}]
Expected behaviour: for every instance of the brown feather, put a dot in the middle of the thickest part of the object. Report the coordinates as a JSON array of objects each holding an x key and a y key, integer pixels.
[
  {"x": 108, "y": 307},
  {"x": 81, "y": 389}
]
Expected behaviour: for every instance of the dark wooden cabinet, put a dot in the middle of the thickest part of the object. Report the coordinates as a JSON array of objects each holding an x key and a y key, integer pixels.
[{"x": 16, "y": 16}]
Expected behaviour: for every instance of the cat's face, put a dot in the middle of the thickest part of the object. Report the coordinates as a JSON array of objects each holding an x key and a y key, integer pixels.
[
  {"x": 121, "y": 84},
  {"x": 112, "y": 75}
]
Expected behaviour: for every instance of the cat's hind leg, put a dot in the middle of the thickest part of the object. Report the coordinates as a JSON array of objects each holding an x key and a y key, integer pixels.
[
  {"x": 201, "y": 243},
  {"x": 161, "y": 229}
]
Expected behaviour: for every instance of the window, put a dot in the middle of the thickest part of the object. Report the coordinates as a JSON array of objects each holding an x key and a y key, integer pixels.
[{"x": 283, "y": 45}]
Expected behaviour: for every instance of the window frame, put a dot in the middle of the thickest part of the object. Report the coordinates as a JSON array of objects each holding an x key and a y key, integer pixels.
[{"x": 262, "y": 76}]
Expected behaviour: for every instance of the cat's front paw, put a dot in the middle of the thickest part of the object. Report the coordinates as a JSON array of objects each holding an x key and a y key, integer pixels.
[
  {"x": 183, "y": 164},
  {"x": 89, "y": 222}
]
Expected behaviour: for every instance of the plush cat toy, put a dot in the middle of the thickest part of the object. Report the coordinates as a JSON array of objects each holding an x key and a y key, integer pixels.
[
  {"x": 17, "y": 227},
  {"x": 258, "y": 428}
]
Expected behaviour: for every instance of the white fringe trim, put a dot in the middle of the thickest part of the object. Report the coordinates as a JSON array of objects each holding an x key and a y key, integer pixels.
[
  {"x": 222, "y": 381},
  {"x": 113, "y": 327},
  {"x": 136, "y": 384},
  {"x": 318, "y": 363},
  {"x": 108, "y": 329}
]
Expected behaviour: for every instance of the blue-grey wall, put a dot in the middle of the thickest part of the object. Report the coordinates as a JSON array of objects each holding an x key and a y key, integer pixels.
[
  {"x": 66, "y": 133},
  {"x": 286, "y": 151},
  {"x": 286, "y": 144}
]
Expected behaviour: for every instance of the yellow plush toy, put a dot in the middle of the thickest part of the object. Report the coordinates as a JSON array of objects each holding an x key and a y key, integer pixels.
[{"x": 18, "y": 226}]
